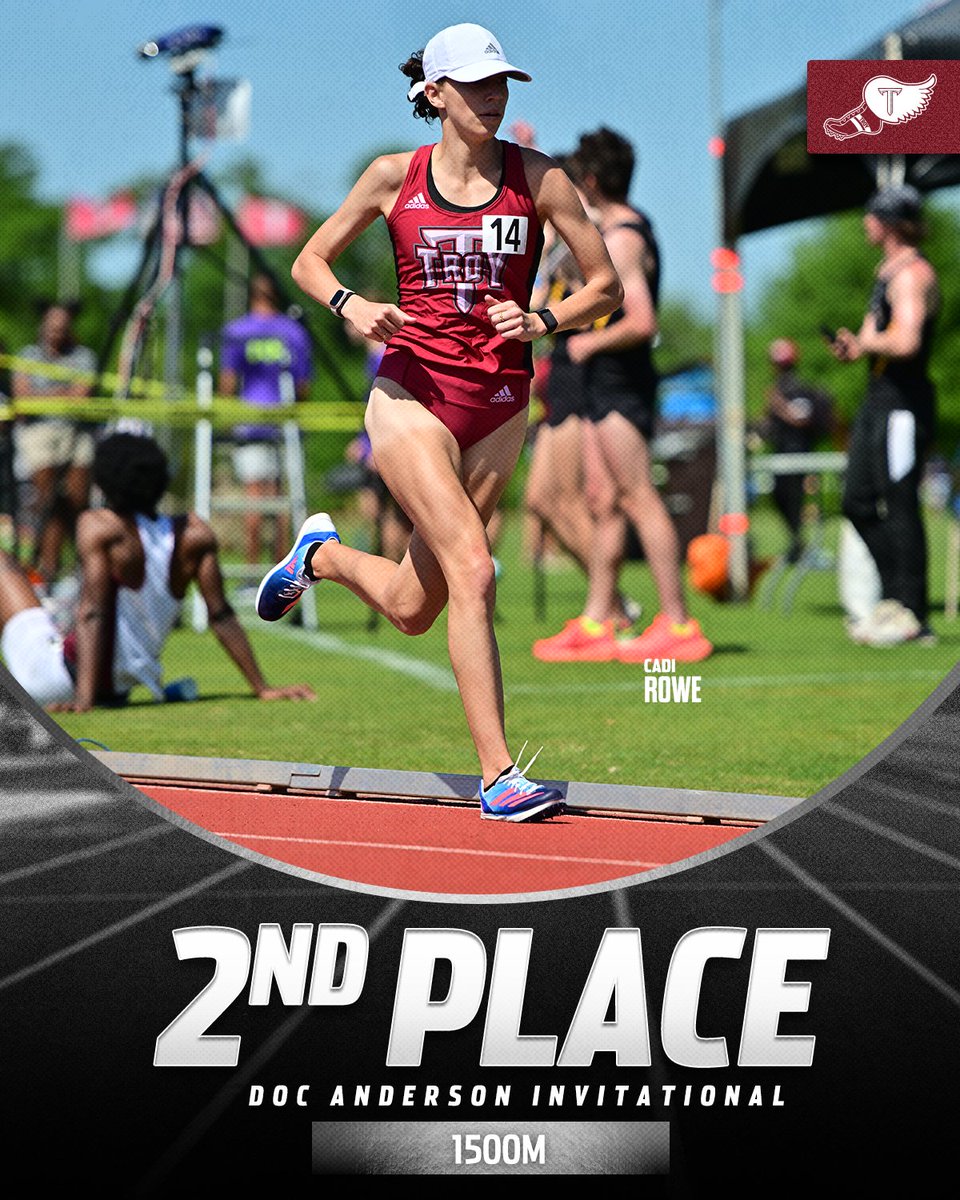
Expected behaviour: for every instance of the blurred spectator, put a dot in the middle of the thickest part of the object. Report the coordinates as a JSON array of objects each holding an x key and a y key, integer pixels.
[
  {"x": 798, "y": 415},
  {"x": 265, "y": 360},
  {"x": 895, "y": 424},
  {"x": 55, "y": 452},
  {"x": 8, "y": 486},
  {"x": 6, "y": 388}
]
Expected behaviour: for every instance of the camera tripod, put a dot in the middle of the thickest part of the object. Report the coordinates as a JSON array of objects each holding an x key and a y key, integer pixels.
[{"x": 159, "y": 274}]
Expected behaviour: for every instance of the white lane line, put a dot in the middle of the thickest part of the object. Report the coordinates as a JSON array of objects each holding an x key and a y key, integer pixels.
[
  {"x": 28, "y": 805},
  {"x": 861, "y": 922},
  {"x": 442, "y": 678},
  {"x": 429, "y": 673},
  {"x": 727, "y": 681},
  {"x": 622, "y": 909},
  {"x": 658, "y": 1067},
  {"x": 208, "y": 1116},
  {"x": 40, "y": 762},
  {"x": 269, "y": 837},
  {"x": 940, "y": 807},
  {"x": 120, "y": 926},
  {"x": 892, "y": 835},
  {"x": 71, "y": 856}
]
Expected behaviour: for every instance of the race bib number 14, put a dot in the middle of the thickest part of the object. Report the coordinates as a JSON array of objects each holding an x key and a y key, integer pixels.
[{"x": 504, "y": 235}]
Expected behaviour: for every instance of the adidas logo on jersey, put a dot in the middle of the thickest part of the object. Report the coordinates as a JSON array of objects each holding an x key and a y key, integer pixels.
[
  {"x": 418, "y": 201},
  {"x": 492, "y": 48},
  {"x": 504, "y": 396}
]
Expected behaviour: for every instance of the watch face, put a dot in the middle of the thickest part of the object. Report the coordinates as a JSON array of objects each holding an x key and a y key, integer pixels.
[
  {"x": 337, "y": 297},
  {"x": 549, "y": 320}
]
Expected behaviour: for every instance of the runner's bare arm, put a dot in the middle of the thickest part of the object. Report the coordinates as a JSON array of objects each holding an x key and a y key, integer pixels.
[
  {"x": 909, "y": 294},
  {"x": 557, "y": 202},
  {"x": 913, "y": 296},
  {"x": 373, "y": 195},
  {"x": 202, "y": 549},
  {"x": 628, "y": 250},
  {"x": 22, "y": 385},
  {"x": 228, "y": 383},
  {"x": 79, "y": 389},
  {"x": 790, "y": 413},
  {"x": 96, "y": 593}
]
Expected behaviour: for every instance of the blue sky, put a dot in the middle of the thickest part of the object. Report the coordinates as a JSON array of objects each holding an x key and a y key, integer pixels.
[{"x": 327, "y": 93}]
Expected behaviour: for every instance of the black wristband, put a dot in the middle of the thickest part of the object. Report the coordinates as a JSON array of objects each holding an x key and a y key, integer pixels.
[
  {"x": 547, "y": 317},
  {"x": 221, "y": 614},
  {"x": 339, "y": 299}
]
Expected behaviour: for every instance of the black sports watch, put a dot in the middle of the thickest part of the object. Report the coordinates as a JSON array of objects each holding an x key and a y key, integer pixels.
[
  {"x": 547, "y": 317},
  {"x": 339, "y": 299}
]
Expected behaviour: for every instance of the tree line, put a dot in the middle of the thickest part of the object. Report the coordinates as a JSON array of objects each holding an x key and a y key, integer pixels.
[{"x": 826, "y": 281}]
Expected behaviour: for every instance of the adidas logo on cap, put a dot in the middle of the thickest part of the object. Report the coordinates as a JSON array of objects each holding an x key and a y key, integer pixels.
[
  {"x": 504, "y": 396},
  {"x": 465, "y": 53},
  {"x": 417, "y": 201}
]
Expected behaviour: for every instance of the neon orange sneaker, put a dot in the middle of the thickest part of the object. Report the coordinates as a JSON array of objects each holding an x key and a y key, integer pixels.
[
  {"x": 580, "y": 640},
  {"x": 664, "y": 639}
]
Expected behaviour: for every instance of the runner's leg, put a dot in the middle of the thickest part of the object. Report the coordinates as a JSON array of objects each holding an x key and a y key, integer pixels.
[
  {"x": 606, "y": 555},
  {"x": 627, "y": 458},
  {"x": 49, "y": 526},
  {"x": 555, "y": 487},
  {"x": 449, "y": 498}
]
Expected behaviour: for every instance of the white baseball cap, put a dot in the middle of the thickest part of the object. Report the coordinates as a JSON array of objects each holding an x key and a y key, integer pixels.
[{"x": 465, "y": 53}]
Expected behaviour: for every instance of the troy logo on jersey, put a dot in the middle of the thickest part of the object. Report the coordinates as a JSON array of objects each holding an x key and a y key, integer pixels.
[{"x": 455, "y": 258}]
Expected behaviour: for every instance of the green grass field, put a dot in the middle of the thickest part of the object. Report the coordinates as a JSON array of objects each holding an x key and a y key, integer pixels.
[{"x": 788, "y": 702}]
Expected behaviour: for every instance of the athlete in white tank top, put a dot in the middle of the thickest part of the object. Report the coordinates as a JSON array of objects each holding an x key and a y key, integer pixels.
[
  {"x": 124, "y": 613},
  {"x": 146, "y": 615}
]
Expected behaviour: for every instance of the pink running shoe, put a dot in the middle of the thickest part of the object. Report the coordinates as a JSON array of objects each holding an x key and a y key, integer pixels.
[
  {"x": 664, "y": 639},
  {"x": 580, "y": 640}
]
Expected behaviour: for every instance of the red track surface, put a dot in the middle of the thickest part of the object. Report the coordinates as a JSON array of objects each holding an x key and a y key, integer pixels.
[{"x": 437, "y": 847}]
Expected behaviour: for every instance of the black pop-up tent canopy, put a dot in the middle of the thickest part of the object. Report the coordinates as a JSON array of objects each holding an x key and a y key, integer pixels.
[{"x": 770, "y": 179}]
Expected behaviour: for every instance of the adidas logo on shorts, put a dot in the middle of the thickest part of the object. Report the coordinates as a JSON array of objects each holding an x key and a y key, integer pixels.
[
  {"x": 504, "y": 396},
  {"x": 418, "y": 201}
]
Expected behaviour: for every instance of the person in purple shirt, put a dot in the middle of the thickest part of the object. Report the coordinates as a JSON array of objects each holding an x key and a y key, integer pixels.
[{"x": 264, "y": 359}]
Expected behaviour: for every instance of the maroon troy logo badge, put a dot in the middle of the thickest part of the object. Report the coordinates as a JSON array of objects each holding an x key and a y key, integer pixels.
[{"x": 861, "y": 106}]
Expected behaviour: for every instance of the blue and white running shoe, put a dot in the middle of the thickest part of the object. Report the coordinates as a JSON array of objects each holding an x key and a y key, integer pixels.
[
  {"x": 283, "y": 586},
  {"x": 515, "y": 798}
]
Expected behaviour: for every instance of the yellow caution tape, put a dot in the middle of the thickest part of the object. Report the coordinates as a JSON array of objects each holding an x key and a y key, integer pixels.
[
  {"x": 311, "y": 417},
  {"x": 30, "y": 366}
]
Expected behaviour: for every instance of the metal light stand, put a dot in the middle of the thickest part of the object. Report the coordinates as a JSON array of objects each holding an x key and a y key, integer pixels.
[{"x": 184, "y": 65}]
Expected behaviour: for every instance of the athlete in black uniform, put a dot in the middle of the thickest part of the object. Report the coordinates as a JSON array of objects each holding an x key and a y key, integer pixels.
[
  {"x": 621, "y": 384},
  {"x": 555, "y": 487},
  {"x": 625, "y": 380},
  {"x": 895, "y": 424}
]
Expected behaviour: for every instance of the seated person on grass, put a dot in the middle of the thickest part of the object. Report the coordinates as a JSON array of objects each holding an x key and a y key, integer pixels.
[{"x": 135, "y": 566}]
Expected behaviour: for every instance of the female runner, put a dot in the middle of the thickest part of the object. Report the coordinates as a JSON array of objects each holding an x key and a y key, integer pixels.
[{"x": 447, "y": 413}]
